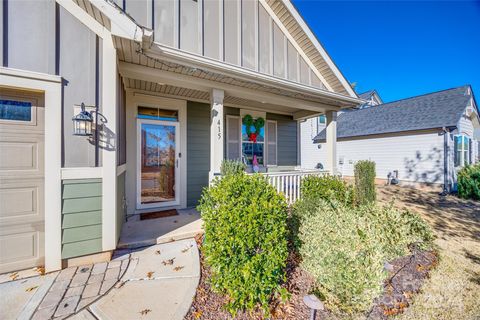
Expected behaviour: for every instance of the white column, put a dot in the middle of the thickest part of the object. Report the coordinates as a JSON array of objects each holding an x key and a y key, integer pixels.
[
  {"x": 216, "y": 132},
  {"x": 109, "y": 149},
  {"x": 331, "y": 163}
]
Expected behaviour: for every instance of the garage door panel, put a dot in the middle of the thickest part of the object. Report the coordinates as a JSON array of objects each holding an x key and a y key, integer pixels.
[
  {"x": 21, "y": 202},
  {"x": 21, "y": 156},
  {"x": 21, "y": 248}
]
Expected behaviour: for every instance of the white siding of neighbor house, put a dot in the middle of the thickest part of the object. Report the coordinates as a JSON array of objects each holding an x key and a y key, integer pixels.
[{"x": 418, "y": 156}]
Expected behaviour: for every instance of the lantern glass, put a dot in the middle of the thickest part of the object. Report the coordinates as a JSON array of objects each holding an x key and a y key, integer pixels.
[{"x": 82, "y": 124}]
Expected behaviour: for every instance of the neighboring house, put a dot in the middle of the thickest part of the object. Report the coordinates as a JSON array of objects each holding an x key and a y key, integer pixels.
[
  {"x": 405, "y": 137},
  {"x": 172, "y": 81},
  {"x": 372, "y": 98}
]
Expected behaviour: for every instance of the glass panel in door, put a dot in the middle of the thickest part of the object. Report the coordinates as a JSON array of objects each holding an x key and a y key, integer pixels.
[{"x": 157, "y": 171}]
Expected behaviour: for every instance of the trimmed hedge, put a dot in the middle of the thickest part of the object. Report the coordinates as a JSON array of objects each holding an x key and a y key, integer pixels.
[
  {"x": 365, "y": 182},
  {"x": 245, "y": 222},
  {"x": 469, "y": 182}
]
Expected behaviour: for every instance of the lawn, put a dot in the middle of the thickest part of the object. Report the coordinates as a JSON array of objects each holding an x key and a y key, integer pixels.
[{"x": 453, "y": 291}]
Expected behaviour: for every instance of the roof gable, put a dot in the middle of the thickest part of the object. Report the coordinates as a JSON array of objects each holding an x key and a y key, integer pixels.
[
  {"x": 434, "y": 110},
  {"x": 267, "y": 36}
]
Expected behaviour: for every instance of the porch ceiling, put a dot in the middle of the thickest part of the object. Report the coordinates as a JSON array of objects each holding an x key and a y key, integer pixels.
[{"x": 148, "y": 87}]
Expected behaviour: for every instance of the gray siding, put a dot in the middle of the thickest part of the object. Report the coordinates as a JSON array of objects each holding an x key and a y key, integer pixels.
[
  {"x": 198, "y": 150},
  {"x": 287, "y": 139},
  {"x": 77, "y": 63},
  {"x": 43, "y": 37},
  {"x": 121, "y": 124},
  {"x": 31, "y": 35},
  {"x": 81, "y": 217},
  {"x": 240, "y": 33}
]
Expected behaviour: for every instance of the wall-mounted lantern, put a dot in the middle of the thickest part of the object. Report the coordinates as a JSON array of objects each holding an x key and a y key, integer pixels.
[{"x": 82, "y": 123}]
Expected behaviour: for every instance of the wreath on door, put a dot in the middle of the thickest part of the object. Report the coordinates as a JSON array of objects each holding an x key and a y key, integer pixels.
[{"x": 258, "y": 124}]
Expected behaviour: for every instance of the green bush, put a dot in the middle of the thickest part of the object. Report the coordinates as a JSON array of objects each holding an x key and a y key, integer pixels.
[
  {"x": 245, "y": 222},
  {"x": 345, "y": 248},
  {"x": 469, "y": 182},
  {"x": 232, "y": 167},
  {"x": 365, "y": 182},
  {"x": 326, "y": 187}
]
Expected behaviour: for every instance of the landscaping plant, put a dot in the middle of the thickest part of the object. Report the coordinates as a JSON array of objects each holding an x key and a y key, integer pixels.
[
  {"x": 327, "y": 187},
  {"x": 245, "y": 246},
  {"x": 365, "y": 181},
  {"x": 344, "y": 248},
  {"x": 229, "y": 167},
  {"x": 469, "y": 182}
]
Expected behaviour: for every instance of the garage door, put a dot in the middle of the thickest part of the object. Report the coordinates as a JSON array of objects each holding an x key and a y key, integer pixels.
[{"x": 21, "y": 180}]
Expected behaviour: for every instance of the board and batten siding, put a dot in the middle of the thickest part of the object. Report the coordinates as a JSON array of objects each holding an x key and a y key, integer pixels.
[
  {"x": 238, "y": 32},
  {"x": 36, "y": 35},
  {"x": 81, "y": 217},
  {"x": 198, "y": 150},
  {"x": 418, "y": 156}
]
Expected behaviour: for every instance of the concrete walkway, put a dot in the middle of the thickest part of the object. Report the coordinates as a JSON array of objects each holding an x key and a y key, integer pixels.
[{"x": 159, "y": 283}]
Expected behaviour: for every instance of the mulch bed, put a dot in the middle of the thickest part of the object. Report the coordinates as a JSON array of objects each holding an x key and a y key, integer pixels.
[
  {"x": 407, "y": 275},
  {"x": 405, "y": 279}
]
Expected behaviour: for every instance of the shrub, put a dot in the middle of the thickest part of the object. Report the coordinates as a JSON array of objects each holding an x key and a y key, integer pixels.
[
  {"x": 326, "y": 187},
  {"x": 365, "y": 181},
  {"x": 469, "y": 182},
  {"x": 345, "y": 248},
  {"x": 245, "y": 222},
  {"x": 232, "y": 167}
]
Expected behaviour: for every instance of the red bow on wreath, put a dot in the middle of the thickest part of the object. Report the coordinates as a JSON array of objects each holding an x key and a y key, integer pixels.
[{"x": 253, "y": 137}]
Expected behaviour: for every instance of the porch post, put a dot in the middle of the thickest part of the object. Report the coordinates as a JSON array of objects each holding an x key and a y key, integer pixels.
[
  {"x": 216, "y": 132},
  {"x": 331, "y": 163}
]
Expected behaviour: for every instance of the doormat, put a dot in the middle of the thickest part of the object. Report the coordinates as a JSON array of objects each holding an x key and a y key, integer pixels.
[{"x": 158, "y": 214}]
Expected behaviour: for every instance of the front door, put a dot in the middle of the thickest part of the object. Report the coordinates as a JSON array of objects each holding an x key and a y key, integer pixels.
[{"x": 157, "y": 163}]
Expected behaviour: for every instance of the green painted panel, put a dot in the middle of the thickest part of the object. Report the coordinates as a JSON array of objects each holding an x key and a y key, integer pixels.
[
  {"x": 81, "y": 204},
  {"x": 81, "y": 219},
  {"x": 76, "y": 249},
  {"x": 82, "y": 190},
  {"x": 77, "y": 181},
  {"x": 81, "y": 233}
]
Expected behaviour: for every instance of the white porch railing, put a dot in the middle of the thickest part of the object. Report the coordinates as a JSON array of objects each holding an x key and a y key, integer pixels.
[{"x": 289, "y": 183}]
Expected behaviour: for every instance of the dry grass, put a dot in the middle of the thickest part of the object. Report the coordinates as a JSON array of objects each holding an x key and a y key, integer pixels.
[{"x": 453, "y": 291}]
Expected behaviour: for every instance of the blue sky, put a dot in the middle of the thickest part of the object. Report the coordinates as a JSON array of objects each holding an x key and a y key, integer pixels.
[{"x": 402, "y": 48}]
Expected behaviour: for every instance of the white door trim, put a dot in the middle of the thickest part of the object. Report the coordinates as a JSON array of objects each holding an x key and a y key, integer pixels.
[
  {"x": 51, "y": 87},
  {"x": 133, "y": 101},
  {"x": 177, "y": 184}
]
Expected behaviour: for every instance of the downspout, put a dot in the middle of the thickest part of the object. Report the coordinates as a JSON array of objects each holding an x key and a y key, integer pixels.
[{"x": 446, "y": 187}]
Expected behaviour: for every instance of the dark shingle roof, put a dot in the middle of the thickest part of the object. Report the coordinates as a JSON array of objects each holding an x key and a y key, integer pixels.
[{"x": 434, "y": 110}]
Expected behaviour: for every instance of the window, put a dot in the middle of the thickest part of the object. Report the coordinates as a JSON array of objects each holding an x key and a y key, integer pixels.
[
  {"x": 15, "y": 110},
  {"x": 157, "y": 114},
  {"x": 462, "y": 150},
  {"x": 321, "y": 122},
  {"x": 250, "y": 149}
]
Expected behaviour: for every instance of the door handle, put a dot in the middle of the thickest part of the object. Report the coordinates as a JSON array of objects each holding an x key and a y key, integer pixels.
[{"x": 176, "y": 163}]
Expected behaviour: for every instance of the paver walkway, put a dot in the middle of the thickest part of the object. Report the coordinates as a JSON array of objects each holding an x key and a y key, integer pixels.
[{"x": 157, "y": 282}]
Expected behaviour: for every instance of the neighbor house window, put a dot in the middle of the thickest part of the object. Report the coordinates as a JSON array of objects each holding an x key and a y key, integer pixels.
[
  {"x": 321, "y": 122},
  {"x": 462, "y": 150}
]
